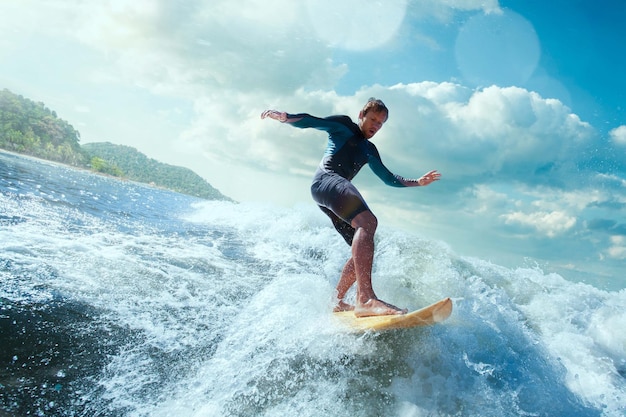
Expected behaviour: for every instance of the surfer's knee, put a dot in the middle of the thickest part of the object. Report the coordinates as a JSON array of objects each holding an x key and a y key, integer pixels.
[{"x": 366, "y": 221}]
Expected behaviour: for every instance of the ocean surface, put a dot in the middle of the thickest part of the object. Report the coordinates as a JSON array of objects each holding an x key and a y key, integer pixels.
[{"x": 118, "y": 299}]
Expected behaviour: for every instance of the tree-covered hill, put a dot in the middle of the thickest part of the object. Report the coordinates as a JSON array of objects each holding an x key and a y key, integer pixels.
[
  {"x": 138, "y": 167},
  {"x": 31, "y": 128}
]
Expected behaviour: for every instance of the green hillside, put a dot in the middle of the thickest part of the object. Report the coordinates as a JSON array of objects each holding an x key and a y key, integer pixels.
[
  {"x": 138, "y": 167},
  {"x": 31, "y": 128}
]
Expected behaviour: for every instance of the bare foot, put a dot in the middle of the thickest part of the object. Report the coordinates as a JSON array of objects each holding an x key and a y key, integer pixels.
[
  {"x": 375, "y": 307},
  {"x": 342, "y": 306}
]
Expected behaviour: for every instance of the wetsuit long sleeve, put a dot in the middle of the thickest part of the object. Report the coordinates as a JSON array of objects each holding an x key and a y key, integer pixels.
[{"x": 347, "y": 149}]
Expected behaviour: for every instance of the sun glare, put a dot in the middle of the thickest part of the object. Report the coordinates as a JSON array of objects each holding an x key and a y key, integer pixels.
[{"x": 356, "y": 25}]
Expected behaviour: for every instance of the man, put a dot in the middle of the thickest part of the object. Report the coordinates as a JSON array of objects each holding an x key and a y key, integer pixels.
[{"x": 349, "y": 148}]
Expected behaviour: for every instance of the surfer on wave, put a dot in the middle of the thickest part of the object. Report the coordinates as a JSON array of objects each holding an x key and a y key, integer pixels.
[{"x": 349, "y": 148}]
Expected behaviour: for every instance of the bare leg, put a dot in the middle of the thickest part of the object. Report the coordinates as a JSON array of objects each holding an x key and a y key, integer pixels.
[
  {"x": 347, "y": 279},
  {"x": 367, "y": 304}
]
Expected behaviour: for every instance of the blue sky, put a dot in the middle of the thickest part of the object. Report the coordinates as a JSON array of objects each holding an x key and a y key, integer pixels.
[{"x": 519, "y": 104}]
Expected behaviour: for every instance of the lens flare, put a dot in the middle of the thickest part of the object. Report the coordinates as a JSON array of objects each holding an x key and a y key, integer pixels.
[
  {"x": 356, "y": 25},
  {"x": 497, "y": 48}
]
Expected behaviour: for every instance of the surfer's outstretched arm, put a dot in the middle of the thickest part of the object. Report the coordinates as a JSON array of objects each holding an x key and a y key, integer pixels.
[
  {"x": 281, "y": 116},
  {"x": 429, "y": 177}
]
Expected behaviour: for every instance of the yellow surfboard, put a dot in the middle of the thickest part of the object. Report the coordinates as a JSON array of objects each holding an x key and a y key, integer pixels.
[{"x": 432, "y": 314}]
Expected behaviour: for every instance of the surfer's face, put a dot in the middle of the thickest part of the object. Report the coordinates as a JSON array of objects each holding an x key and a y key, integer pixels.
[{"x": 371, "y": 122}]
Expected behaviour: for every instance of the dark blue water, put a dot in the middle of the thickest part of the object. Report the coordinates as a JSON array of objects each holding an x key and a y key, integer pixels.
[{"x": 118, "y": 299}]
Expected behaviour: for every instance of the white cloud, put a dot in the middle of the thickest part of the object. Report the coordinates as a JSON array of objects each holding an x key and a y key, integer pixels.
[
  {"x": 550, "y": 224},
  {"x": 194, "y": 47},
  {"x": 618, "y": 135},
  {"x": 186, "y": 49},
  {"x": 576, "y": 200},
  {"x": 617, "y": 250},
  {"x": 612, "y": 179},
  {"x": 508, "y": 132},
  {"x": 487, "y": 200}
]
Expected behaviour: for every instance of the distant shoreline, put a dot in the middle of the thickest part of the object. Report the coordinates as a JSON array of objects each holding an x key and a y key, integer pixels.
[
  {"x": 87, "y": 170},
  {"x": 57, "y": 163}
]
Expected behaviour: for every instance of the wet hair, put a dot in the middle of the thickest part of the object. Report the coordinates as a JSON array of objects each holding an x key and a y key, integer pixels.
[{"x": 375, "y": 105}]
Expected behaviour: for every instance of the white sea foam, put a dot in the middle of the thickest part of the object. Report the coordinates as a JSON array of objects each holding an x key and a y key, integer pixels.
[{"x": 218, "y": 309}]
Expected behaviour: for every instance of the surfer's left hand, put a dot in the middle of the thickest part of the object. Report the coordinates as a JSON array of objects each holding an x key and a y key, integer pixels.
[{"x": 429, "y": 177}]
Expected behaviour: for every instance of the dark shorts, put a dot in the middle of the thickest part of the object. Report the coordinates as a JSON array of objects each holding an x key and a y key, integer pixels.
[{"x": 340, "y": 200}]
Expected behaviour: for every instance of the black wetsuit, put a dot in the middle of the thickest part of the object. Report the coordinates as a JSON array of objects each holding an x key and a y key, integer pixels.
[{"x": 346, "y": 153}]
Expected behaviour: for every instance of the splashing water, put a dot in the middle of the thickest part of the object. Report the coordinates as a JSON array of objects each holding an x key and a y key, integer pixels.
[{"x": 124, "y": 300}]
